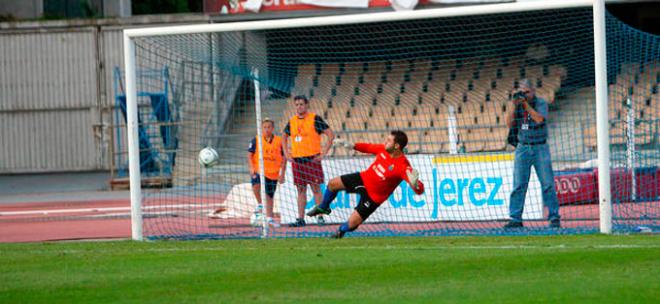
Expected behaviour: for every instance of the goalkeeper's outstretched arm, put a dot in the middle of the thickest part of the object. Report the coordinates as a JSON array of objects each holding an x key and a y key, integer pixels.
[
  {"x": 360, "y": 147},
  {"x": 369, "y": 148}
]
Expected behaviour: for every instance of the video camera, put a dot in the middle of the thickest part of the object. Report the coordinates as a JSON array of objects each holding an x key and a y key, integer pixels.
[{"x": 519, "y": 95}]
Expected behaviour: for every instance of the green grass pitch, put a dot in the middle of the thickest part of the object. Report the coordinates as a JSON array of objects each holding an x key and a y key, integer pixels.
[{"x": 561, "y": 269}]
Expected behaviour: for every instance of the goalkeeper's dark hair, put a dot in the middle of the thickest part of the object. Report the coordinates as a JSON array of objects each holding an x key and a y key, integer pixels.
[
  {"x": 400, "y": 138},
  {"x": 301, "y": 97}
]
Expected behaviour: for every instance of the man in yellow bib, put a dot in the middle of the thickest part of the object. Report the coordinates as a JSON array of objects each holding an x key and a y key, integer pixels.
[
  {"x": 305, "y": 154},
  {"x": 274, "y": 168}
]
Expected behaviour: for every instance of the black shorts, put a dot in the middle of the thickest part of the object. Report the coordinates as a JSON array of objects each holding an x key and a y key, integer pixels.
[
  {"x": 354, "y": 184},
  {"x": 271, "y": 184}
]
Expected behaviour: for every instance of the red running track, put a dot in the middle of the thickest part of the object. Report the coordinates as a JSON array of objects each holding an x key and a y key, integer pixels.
[
  {"x": 34, "y": 222},
  {"x": 110, "y": 219}
]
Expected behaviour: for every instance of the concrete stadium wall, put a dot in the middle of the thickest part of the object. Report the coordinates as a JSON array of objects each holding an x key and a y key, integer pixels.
[
  {"x": 57, "y": 92},
  {"x": 49, "y": 101}
]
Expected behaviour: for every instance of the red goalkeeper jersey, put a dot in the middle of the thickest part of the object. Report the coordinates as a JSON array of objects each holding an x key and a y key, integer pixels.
[{"x": 385, "y": 173}]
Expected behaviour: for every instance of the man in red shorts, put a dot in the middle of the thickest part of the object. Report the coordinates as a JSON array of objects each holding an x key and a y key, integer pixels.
[
  {"x": 305, "y": 154},
  {"x": 375, "y": 184}
]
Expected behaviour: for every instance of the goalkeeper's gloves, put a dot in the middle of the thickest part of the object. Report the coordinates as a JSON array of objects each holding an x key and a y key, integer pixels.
[
  {"x": 340, "y": 142},
  {"x": 413, "y": 177}
]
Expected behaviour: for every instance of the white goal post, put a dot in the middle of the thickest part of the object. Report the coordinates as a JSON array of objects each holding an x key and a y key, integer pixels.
[{"x": 600, "y": 76}]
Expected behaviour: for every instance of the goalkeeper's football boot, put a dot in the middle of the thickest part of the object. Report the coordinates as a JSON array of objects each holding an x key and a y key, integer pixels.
[
  {"x": 338, "y": 234},
  {"x": 318, "y": 210}
]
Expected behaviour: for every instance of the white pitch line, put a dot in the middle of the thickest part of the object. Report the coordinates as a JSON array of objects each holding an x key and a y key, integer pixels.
[
  {"x": 55, "y": 211},
  {"x": 106, "y": 209}
]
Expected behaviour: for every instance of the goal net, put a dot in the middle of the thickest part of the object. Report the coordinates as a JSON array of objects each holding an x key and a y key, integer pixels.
[{"x": 446, "y": 81}]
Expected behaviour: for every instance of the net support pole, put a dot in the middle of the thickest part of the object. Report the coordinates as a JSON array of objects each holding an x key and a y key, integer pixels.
[
  {"x": 451, "y": 131},
  {"x": 602, "y": 124},
  {"x": 262, "y": 176},
  {"x": 630, "y": 144},
  {"x": 133, "y": 144}
]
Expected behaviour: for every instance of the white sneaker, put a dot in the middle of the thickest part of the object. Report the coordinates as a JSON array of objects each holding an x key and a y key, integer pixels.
[{"x": 272, "y": 222}]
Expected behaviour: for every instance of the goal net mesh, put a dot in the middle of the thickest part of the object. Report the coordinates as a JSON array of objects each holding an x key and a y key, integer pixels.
[{"x": 446, "y": 82}]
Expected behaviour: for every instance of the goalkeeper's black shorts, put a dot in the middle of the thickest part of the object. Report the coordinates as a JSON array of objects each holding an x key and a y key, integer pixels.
[{"x": 354, "y": 184}]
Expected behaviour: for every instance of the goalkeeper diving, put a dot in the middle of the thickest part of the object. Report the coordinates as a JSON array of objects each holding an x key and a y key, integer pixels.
[{"x": 375, "y": 184}]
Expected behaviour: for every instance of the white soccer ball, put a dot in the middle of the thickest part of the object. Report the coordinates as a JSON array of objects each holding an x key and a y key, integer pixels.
[
  {"x": 208, "y": 157},
  {"x": 255, "y": 219}
]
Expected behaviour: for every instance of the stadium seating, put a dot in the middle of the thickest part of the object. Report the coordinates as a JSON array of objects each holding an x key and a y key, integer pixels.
[
  {"x": 365, "y": 99},
  {"x": 589, "y": 136},
  {"x": 639, "y": 83}
]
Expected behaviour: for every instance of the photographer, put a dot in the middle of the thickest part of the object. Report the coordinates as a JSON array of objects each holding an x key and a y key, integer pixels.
[{"x": 531, "y": 150}]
